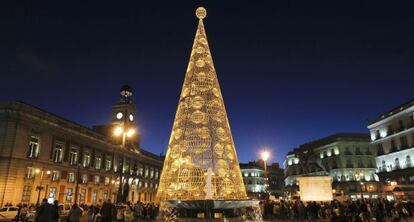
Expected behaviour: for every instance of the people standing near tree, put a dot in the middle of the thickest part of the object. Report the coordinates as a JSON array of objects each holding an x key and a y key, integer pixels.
[
  {"x": 128, "y": 213},
  {"x": 379, "y": 211},
  {"x": 107, "y": 211},
  {"x": 23, "y": 213},
  {"x": 138, "y": 211},
  {"x": 43, "y": 212},
  {"x": 55, "y": 211},
  {"x": 75, "y": 213}
]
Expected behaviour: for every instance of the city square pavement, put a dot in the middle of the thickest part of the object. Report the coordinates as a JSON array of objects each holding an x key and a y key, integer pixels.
[{"x": 388, "y": 220}]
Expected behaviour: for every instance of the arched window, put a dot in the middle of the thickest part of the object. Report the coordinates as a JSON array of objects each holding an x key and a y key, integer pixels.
[
  {"x": 384, "y": 166},
  {"x": 408, "y": 161}
]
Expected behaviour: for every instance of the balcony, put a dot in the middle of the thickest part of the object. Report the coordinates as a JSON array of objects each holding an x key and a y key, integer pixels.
[
  {"x": 382, "y": 169},
  {"x": 396, "y": 131},
  {"x": 400, "y": 129},
  {"x": 404, "y": 146}
]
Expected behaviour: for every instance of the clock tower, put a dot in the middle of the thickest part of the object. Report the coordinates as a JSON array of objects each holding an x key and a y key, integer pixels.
[{"x": 124, "y": 117}]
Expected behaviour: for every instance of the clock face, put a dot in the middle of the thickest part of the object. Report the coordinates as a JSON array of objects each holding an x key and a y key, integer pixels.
[
  {"x": 131, "y": 117},
  {"x": 119, "y": 115}
]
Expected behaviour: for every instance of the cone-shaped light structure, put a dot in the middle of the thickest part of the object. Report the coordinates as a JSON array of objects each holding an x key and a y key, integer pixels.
[{"x": 201, "y": 161}]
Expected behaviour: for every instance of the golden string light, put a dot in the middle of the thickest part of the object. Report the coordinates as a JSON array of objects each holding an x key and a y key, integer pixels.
[{"x": 201, "y": 161}]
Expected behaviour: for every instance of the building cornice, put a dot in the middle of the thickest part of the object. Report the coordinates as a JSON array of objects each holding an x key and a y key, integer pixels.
[{"x": 393, "y": 113}]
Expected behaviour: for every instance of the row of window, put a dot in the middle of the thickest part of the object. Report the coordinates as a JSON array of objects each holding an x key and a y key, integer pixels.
[
  {"x": 254, "y": 182},
  {"x": 397, "y": 164},
  {"x": 84, "y": 178},
  {"x": 252, "y": 174},
  {"x": 85, "y": 161},
  {"x": 293, "y": 161},
  {"x": 346, "y": 151},
  {"x": 391, "y": 130},
  {"x": 403, "y": 144},
  {"x": 344, "y": 178},
  {"x": 70, "y": 193},
  {"x": 328, "y": 153},
  {"x": 330, "y": 165}
]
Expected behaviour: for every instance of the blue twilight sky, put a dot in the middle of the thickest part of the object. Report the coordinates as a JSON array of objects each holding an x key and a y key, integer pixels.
[{"x": 290, "y": 71}]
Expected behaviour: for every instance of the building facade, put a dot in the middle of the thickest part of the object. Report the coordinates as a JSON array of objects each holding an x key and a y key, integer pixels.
[
  {"x": 346, "y": 157},
  {"x": 45, "y": 156},
  {"x": 392, "y": 135},
  {"x": 276, "y": 179},
  {"x": 254, "y": 180}
]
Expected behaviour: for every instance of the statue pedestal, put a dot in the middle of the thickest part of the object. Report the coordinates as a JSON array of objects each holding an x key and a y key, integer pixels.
[{"x": 210, "y": 210}]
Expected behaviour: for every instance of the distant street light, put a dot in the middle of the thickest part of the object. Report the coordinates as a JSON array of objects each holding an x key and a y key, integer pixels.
[{"x": 265, "y": 155}]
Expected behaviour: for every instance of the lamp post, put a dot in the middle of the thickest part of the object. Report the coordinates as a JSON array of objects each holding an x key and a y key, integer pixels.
[
  {"x": 126, "y": 132},
  {"x": 77, "y": 183},
  {"x": 122, "y": 131},
  {"x": 265, "y": 155},
  {"x": 39, "y": 188}
]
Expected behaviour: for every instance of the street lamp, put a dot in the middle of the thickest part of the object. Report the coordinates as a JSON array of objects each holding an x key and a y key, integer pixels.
[
  {"x": 39, "y": 188},
  {"x": 126, "y": 132},
  {"x": 77, "y": 182},
  {"x": 265, "y": 155}
]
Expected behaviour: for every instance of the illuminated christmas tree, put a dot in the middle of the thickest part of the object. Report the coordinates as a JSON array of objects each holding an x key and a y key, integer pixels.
[{"x": 201, "y": 161}]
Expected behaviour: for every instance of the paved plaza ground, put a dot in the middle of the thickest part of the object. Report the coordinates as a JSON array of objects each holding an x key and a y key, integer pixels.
[{"x": 388, "y": 220}]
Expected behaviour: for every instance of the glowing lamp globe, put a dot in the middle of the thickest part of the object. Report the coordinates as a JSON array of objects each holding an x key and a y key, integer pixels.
[
  {"x": 265, "y": 155},
  {"x": 118, "y": 131}
]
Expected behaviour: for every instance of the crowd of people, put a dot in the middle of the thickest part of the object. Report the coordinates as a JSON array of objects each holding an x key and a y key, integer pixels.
[
  {"x": 348, "y": 211},
  {"x": 363, "y": 210},
  {"x": 107, "y": 212}
]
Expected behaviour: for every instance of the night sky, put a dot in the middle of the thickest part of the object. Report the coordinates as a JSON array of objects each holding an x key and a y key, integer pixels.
[{"x": 290, "y": 71}]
